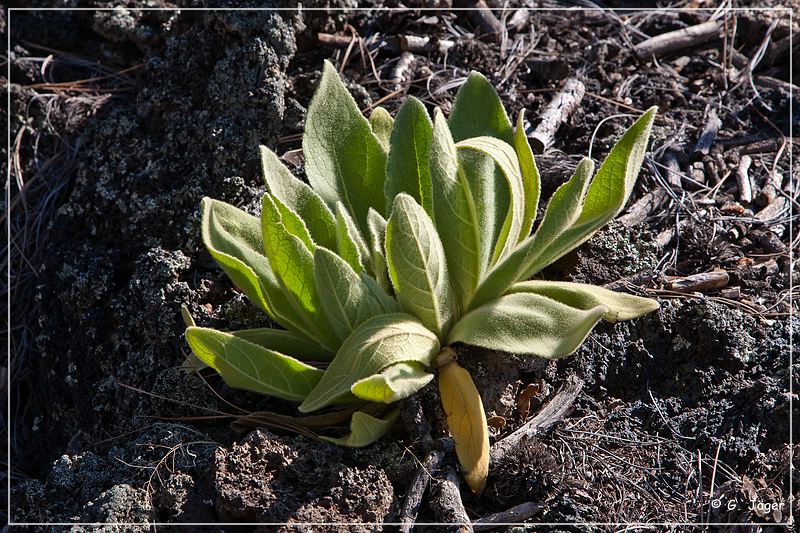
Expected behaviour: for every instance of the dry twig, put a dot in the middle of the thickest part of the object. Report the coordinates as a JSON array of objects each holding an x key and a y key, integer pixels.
[
  {"x": 556, "y": 113},
  {"x": 515, "y": 515},
  {"x": 447, "y": 503},
  {"x": 643, "y": 207},
  {"x": 773, "y": 210},
  {"x": 710, "y": 131},
  {"x": 416, "y": 491},
  {"x": 743, "y": 179},
  {"x": 483, "y": 17},
  {"x": 396, "y": 45},
  {"x": 416, "y": 424},
  {"x": 398, "y": 72},
  {"x": 679, "y": 39},
  {"x": 699, "y": 282}
]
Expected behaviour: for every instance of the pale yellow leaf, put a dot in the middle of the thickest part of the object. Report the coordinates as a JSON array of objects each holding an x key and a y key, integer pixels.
[{"x": 467, "y": 422}]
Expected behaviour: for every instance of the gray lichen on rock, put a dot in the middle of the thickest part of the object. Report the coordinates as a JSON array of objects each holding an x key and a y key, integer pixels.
[{"x": 126, "y": 251}]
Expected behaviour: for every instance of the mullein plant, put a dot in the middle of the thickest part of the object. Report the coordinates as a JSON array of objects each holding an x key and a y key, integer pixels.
[{"x": 411, "y": 237}]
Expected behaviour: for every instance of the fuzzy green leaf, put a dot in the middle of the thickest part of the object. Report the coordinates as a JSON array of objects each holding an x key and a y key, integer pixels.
[
  {"x": 608, "y": 192},
  {"x": 285, "y": 342},
  {"x": 393, "y": 383},
  {"x": 234, "y": 239},
  {"x": 477, "y": 111},
  {"x": 347, "y": 299},
  {"x": 407, "y": 165},
  {"x": 382, "y": 123},
  {"x": 245, "y": 365},
  {"x": 365, "y": 429},
  {"x": 374, "y": 345},
  {"x": 454, "y": 208},
  {"x": 345, "y": 160},
  {"x": 490, "y": 196},
  {"x": 377, "y": 247},
  {"x": 300, "y": 198},
  {"x": 586, "y": 297},
  {"x": 287, "y": 247},
  {"x": 417, "y": 265},
  {"x": 192, "y": 362},
  {"x": 505, "y": 158},
  {"x": 561, "y": 212},
  {"x": 525, "y": 323},
  {"x": 294, "y": 225},
  {"x": 530, "y": 176},
  {"x": 563, "y": 208},
  {"x": 351, "y": 245},
  {"x": 186, "y": 315}
]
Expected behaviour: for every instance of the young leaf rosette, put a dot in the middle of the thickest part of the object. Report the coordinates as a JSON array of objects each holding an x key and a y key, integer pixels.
[{"x": 410, "y": 236}]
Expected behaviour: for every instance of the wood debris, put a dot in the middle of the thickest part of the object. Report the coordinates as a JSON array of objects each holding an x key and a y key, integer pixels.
[
  {"x": 643, "y": 207},
  {"x": 698, "y": 282},
  {"x": 732, "y": 293},
  {"x": 416, "y": 491},
  {"x": 483, "y": 17},
  {"x": 518, "y": 20},
  {"x": 516, "y": 514},
  {"x": 773, "y": 210},
  {"x": 770, "y": 190},
  {"x": 396, "y": 45},
  {"x": 709, "y": 134},
  {"x": 556, "y": 113},
  {"x": 673, "y": 169},
  {"x": 679, "y": 39},
  {"x": 447, "y": 504},
  {"x": 767, "y": 268},
  {"x": 399, "y": 71},
  {"x": 743, "y": 180}
]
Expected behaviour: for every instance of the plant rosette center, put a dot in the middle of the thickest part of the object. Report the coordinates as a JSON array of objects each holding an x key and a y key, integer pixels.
[{"x": 410, "y": 234}]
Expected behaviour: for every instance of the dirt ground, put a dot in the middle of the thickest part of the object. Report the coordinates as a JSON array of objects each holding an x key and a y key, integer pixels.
[{"x": 122, "y": 120}]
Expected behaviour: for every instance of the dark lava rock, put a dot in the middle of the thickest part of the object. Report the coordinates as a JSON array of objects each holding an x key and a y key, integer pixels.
[
  {"x": 121, "y": 503},
  {"x": 161, "y": 475},
  {"x": 704, "y": 373},
  {"x": 268, "y": 478},
  {"x": 180, "y": 394},
  {"x": 125, "y": 251}
]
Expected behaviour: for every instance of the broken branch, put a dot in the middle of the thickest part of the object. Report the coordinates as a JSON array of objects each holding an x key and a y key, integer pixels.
[
  {"x": 743, "y": 179},
  {"x": 421, "y": 45},
  {"x": 643, "y": 207},
  {"x": 770, "y": 190},
  {"x": 699, "y": 282},
  {"x": 447, "y": 503},
  {"x": 773, "y": 211},
  {"x": 556, "y": 113},
  {"x": 515, "y": 515},
  {"x": 416, "y": 424},
  {"x": 400, "y": 69},
  {"x": 396, "y": 45},
  {"x": 673, "y": 169},
  {"x": 679, "y": 39},
  {"x": 482, "y": 16},
  {"x": 710, "y": 131},
  {"x": 416, "y": 491},
  {"x": 518, "y": 20}
]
